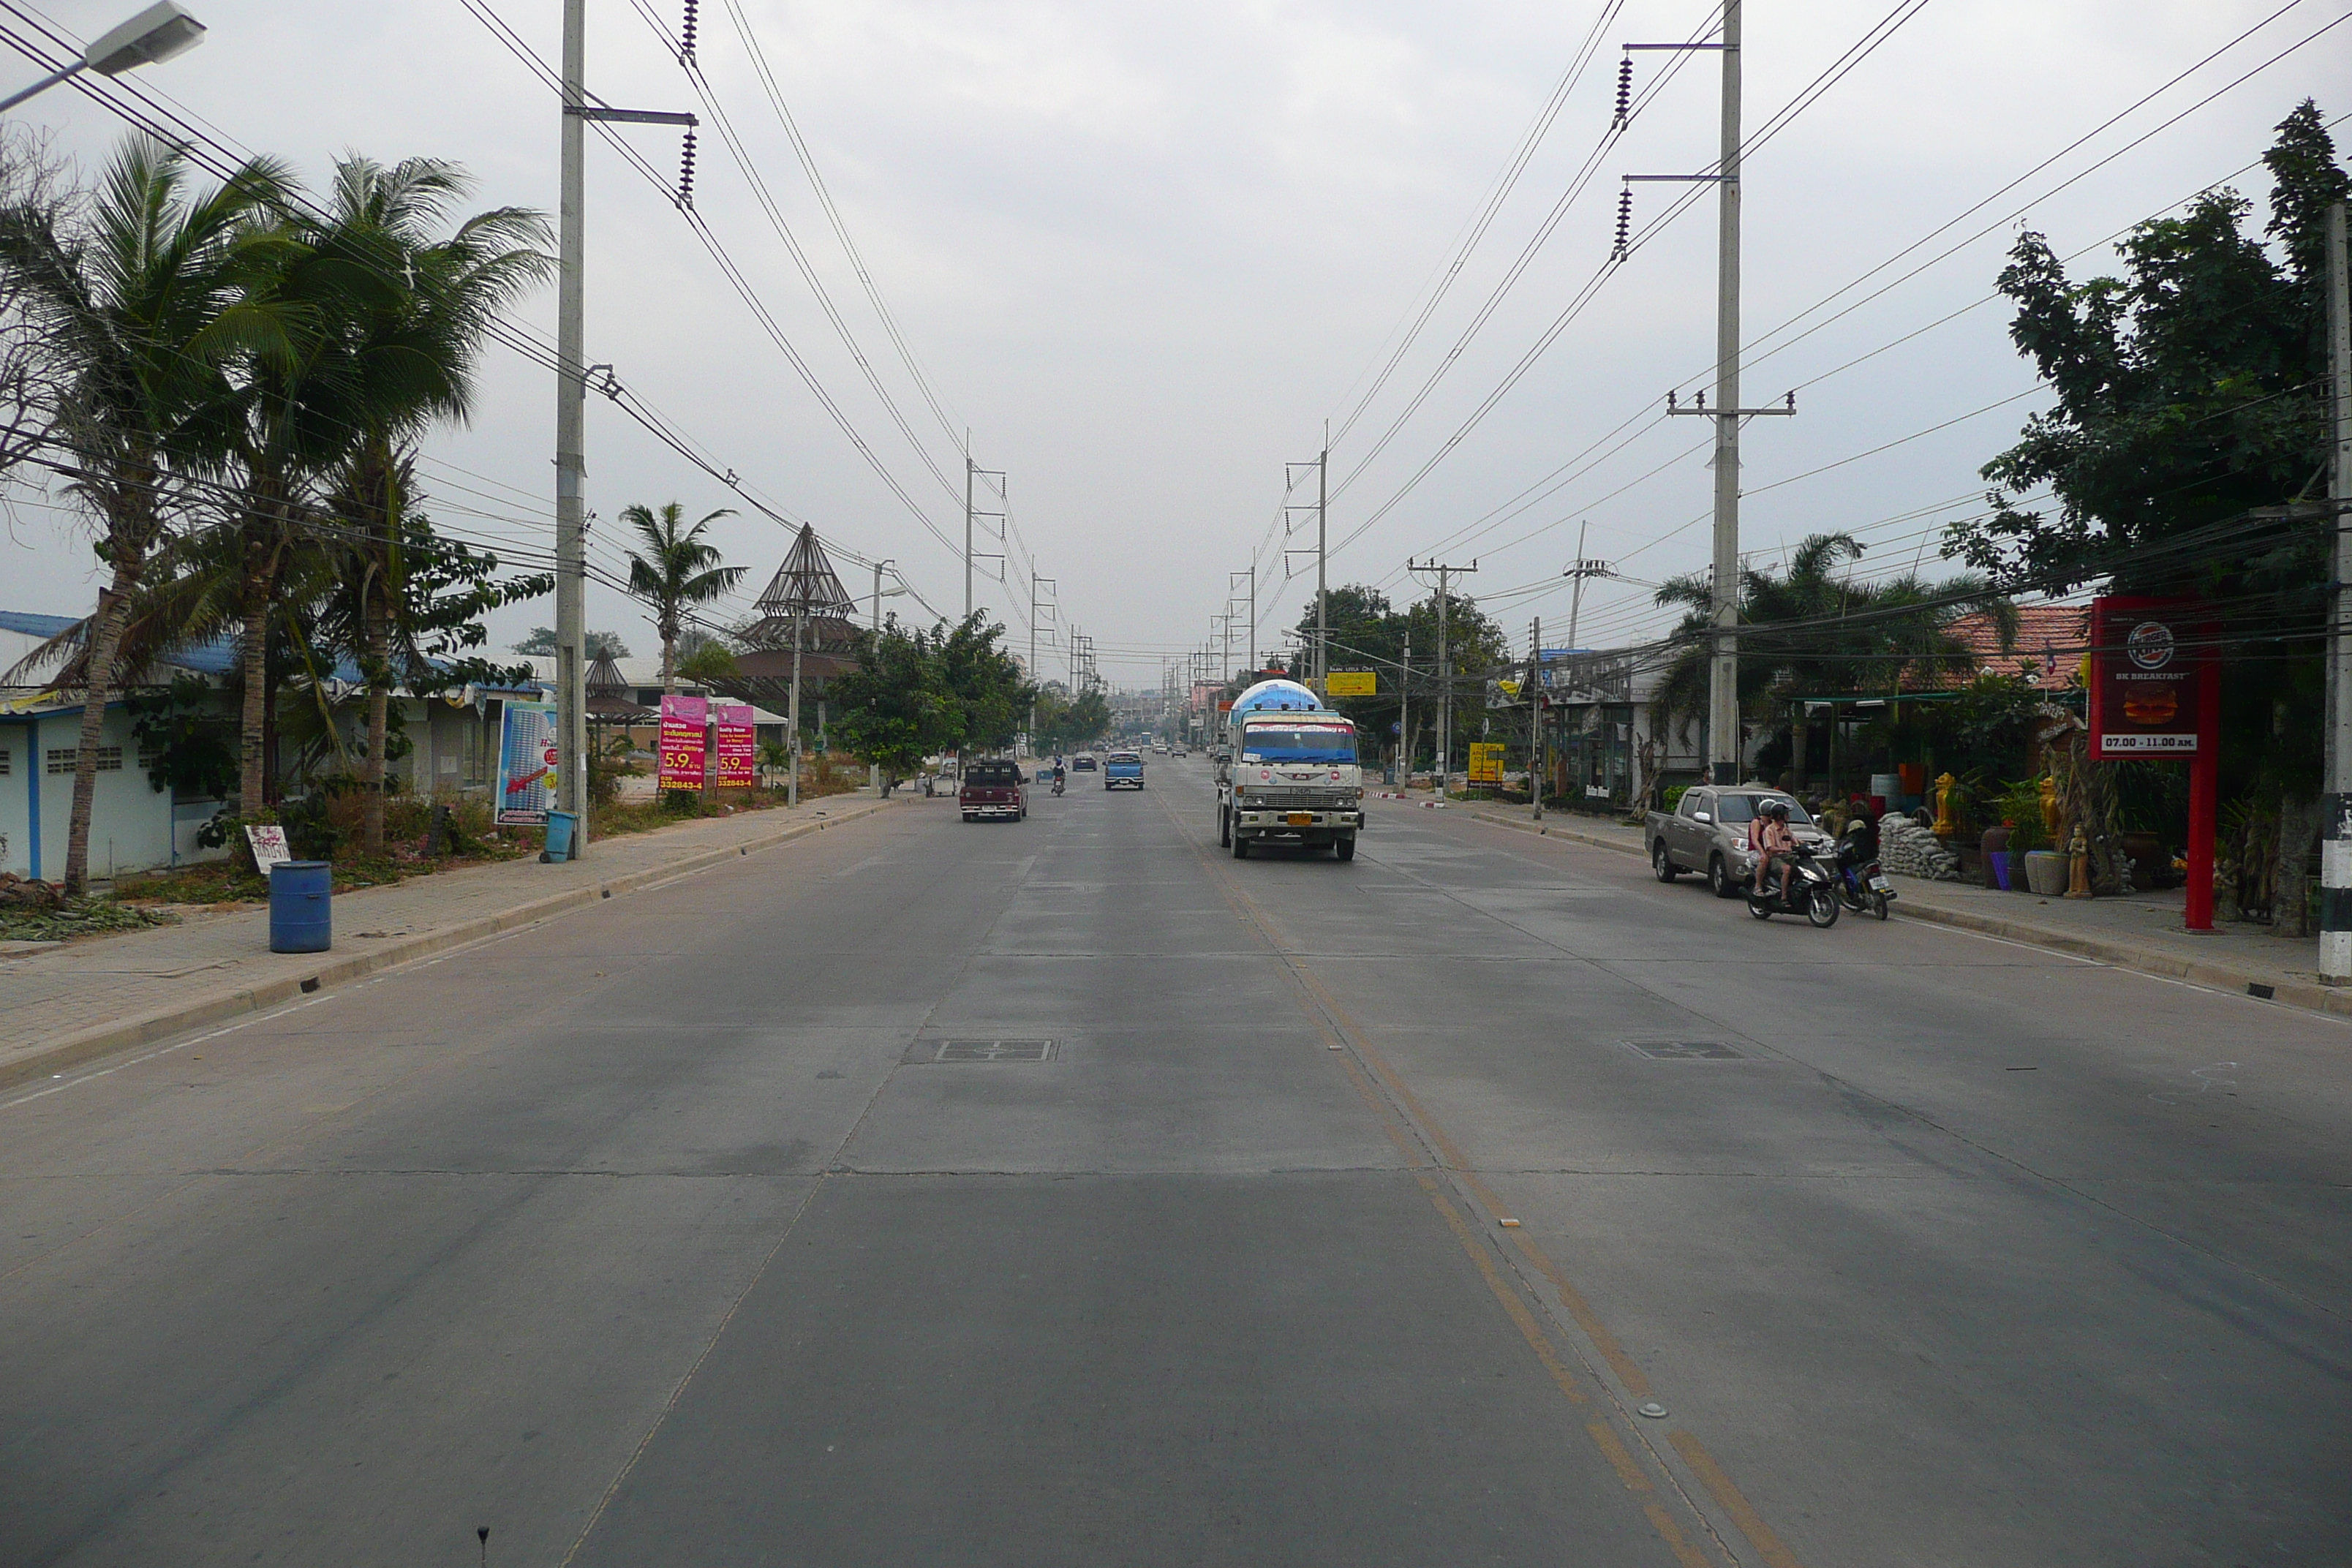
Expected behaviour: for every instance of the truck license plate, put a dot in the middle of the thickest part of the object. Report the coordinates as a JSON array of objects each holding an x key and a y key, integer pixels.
[{"x": 1300, "y": 819}]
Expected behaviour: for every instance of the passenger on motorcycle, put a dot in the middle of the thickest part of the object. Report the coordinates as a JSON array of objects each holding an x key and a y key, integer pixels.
[{"x": 1773, "y": 845}]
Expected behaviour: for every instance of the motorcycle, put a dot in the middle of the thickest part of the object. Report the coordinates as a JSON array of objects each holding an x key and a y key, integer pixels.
[
  {"x": 1058, "y": 786},
  {"x": 1862, "y": 887},
  {"x": 1812, "y": 892}
]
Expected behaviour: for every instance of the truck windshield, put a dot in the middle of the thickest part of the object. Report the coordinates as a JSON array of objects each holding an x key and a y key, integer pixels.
[
  {"x": 1321, "y": 746},
  {"x": 1742, "y": 808}
]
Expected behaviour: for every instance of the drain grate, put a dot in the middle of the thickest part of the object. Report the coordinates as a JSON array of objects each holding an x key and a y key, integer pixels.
[
  {"x": 1686, "y": 1050},
  {"x": 981, "y": 1051}
]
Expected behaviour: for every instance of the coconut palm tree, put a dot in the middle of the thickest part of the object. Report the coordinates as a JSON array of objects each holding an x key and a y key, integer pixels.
[
  {"x": 678, "y": 571},
  {"x": 1824, "y": 629},
  {"x": 141, "y": 305},
  {"x": 409, "y": 357}
]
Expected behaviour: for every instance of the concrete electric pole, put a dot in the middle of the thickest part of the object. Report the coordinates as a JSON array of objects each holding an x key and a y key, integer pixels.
[
  {"x": 2336, "y": 850},
  {"x": 571, "y": 416},
  {"x": 1723, "y": 663},
  {"x": 1445, "y": 666},
  {"x": 1534, "y": 706}
]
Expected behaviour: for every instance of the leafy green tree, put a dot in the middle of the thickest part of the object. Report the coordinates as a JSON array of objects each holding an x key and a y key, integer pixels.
[
  {"x": 2189, "y": 390},
  {"x": 708, "y": 665},
  {"x": 542, "y": 644},
  {"x": 1368, "y": 632},
  {"x": 893, "y": 710},
  {"x": 982, "y": 681},
  {"x": 678, "y": 570},
  {"x": 139, "y": 305}
]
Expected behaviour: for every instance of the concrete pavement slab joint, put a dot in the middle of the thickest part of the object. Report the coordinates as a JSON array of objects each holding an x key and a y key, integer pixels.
[{"x": 71, "y": 1049}]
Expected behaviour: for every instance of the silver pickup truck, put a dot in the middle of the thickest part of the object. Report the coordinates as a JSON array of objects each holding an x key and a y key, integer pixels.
[{"x": 1707, "y": 832}]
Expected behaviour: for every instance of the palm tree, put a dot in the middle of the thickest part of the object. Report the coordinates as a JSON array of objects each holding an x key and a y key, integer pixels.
[
  {"x": 410, "y": 354},
  {"x": 142, "y": 308},
  {"x": 1813, "y": 625},
  {"x": 678, "y": 571}
]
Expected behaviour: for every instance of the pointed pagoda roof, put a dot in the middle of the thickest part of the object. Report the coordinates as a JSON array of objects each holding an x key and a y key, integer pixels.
[
  {"x": 611, "y": 698},
  {"x": 804, "y": 587}
]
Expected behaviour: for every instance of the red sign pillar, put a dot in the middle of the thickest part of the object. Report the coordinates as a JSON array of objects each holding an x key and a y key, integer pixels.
[{"x": 2156, "y": 693}]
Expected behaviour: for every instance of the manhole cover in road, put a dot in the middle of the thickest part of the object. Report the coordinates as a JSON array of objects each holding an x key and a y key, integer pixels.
[
  {"x": 983, "y": 1051},
  {"x": 1686, "y": 1050}
]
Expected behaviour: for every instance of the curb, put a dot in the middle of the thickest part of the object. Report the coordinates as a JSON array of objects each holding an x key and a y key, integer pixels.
[
  {"x": 145, "y": 1028},
  {"x": 2304, "y": 994}
]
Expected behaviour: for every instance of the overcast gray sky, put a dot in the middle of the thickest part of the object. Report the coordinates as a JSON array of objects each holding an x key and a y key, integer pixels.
[{"x": 1144, "y": 250}]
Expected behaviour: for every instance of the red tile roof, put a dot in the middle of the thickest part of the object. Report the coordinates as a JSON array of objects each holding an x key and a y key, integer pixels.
[{"x": 2048, "y": 647}]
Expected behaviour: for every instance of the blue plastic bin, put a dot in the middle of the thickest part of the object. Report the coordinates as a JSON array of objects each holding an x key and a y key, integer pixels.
[
  {"x": 559, "y": 834},
  {"x": 300, "y": 898}
]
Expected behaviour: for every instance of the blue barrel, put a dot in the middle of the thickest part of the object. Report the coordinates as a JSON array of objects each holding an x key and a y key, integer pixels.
[
  {"x": 299, "y": 891},
  {"x": 559, "y": 834}
]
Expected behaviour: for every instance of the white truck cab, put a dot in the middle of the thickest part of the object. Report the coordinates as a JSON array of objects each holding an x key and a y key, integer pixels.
[{"x": 1288, "y": 774}]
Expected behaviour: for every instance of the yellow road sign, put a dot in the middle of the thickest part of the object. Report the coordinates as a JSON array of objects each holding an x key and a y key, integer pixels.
[
  {"x": 1486, "y": 762},
  {"x": 1353, "y": 683}
]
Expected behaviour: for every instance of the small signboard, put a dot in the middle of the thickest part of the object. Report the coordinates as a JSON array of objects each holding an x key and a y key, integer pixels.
[
  {"x": 2147, "y": 679},
  {"x": 682, "y": 751},
  {"x": 269, "y": 841},
  {"x": 528, "y": 754},
  {"x": 733, "y": 735},
  {"x": 1353, "y": 683},
  {"x": 1486, "y": 762}
]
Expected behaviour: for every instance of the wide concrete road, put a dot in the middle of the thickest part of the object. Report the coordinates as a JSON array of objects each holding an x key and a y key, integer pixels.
[{"x": 663, "y": 1235}]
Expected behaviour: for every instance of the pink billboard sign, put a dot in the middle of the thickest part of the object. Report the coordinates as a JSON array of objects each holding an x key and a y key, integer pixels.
[
  {"x": 681, "y": 756},
  {"x": 733, "y": 722}
]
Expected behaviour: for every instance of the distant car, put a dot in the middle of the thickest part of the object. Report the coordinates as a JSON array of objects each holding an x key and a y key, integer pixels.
[
  {"x": 1159, "y": 751},
  {"x": 1123, "y": 770},
  {"x": 1082, "y": 765},
  {"x": 992, "y": 789}
]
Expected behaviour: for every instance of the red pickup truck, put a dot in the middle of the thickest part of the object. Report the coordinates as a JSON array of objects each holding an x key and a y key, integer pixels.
[{"x": 992, "y": 789}]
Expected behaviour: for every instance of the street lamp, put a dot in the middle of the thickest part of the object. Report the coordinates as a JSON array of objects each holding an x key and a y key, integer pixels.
[{"x": 155, "y": 35}]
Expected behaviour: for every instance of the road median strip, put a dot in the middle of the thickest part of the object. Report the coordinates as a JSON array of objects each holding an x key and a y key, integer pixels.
[
  {"x": 76, "y": 1047},
  {"x": 2269, "y": 986}
]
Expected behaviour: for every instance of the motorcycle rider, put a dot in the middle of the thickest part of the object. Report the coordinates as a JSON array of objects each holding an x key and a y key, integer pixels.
[{"x": 1774, "y": 846}]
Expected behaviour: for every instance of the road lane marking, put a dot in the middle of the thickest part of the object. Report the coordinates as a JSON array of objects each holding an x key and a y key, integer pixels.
[
  {"x": 1628, "y": 1371},
  {"x": 1743, "y": 1514},
  {"x": 1324, "y": 1011}
]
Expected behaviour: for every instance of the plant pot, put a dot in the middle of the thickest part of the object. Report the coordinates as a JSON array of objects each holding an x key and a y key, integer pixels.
[
  {"x": 1997, "y": 872},
  {"x": 2046, "y": 873}
]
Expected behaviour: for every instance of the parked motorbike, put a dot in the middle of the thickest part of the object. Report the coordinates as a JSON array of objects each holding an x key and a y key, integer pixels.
[
  {"x": 1812, "y": 892},
  {"x": 1862, "y": 887}
]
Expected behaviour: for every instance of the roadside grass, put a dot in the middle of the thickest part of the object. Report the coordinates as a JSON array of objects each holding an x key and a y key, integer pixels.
[{"x": 78, "y": 918}]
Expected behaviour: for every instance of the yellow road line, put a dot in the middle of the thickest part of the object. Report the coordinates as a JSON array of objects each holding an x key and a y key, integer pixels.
[
  {"x": 1628, "y": 1373},
  {"x": 1627, "y": 1471},
  {"x": 1728, "y": 1497},
  {"x": 1686, "y": 1554}
]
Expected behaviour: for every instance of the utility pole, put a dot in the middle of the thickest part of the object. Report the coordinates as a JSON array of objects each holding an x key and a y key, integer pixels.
[
  {"x": 571, "y": 412},
  {"x": 1036, "y": 608},
  {"x": 874, "y": 770},
  {"x": 1723, "y": 662},
  {"x": 1251, "y": 576},
  {"x": 1322, "y": 537},
  {"x": 1535, "y": 705},
  {"x": 2335, "y": 851},
  {"x": 1445, "y": 666},
  {"x": 1404, "y": 713},
  {"x": 793, "y": 719},
  {"x": 971, "y": 470},
  {"x": 571, "y": 422}
]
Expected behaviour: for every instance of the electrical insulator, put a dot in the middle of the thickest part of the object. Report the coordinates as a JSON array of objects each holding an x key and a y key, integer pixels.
[
  {"x": 1624, "y": 220},
  {"x": 686, "y": 171},
  {"x": 686, "y": 34},
  {"x": 1624, "y": 90}
]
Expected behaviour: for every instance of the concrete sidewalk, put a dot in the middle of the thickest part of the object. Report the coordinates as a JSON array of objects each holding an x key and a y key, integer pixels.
[
  {"x": 2143, "y": 933},
  {"x": 78, "y": 1001}
]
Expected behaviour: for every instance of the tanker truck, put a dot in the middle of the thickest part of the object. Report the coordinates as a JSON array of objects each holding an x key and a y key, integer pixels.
[{"x": 1286, "y": 774}]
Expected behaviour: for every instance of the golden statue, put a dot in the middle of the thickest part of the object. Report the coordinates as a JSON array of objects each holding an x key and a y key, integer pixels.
[
  {"x": 1945, "y": 825},
  {"x": 2053, "y": 811}
]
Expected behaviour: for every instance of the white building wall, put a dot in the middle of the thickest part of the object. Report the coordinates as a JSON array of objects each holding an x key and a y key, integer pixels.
[{"x": 132, "y": 825}]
